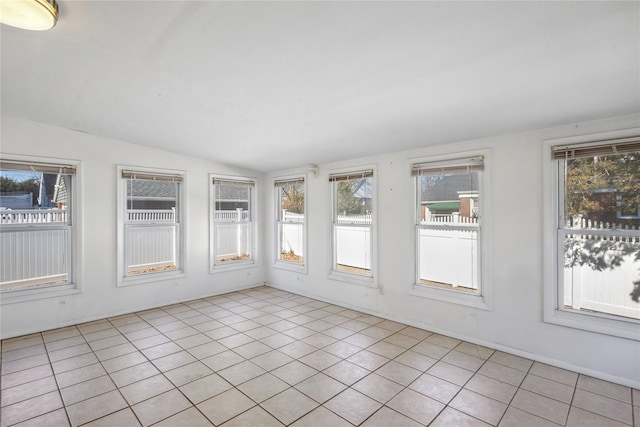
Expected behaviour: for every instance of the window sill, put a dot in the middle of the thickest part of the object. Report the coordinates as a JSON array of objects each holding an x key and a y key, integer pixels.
[
  {"x": 602, "y": 324},
  {"x": 450, "y": 296},
  {"x": 149, "y": 278},
  {"x": 353, "y": 279},
  {"x": 37, "y": 294},
  {"x": 239, "y": 265},
  {"x": 290, "y": 266}
]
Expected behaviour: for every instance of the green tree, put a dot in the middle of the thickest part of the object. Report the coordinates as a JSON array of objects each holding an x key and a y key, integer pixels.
[
  {"x": 10, "y": 185},
  {"x": 347, "y": 203}
]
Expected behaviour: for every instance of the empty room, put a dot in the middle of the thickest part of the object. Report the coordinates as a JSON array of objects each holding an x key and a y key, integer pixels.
[{"x": 385, "y": 213}]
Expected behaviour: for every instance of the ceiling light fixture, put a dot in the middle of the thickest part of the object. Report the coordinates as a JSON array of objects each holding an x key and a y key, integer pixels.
[{"x": 37, "y": 15}]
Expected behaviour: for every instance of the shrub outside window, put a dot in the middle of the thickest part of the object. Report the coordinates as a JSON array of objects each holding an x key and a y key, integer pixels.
[
  {"x": 352, "y": 224},
  {"x": 448, "y": 225},
  {"x": 598, "y": 228},
  {"x": 36, "y": 249},
  {"x": 232, "y": 222},
  {"x": 290, "y": 227},
  {"x": 152, "y": 223}
]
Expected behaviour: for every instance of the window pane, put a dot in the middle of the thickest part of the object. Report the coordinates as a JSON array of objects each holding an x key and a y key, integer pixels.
[
  {"x": 151, "y": 226},
  {"x": 233, "y": 241},
  {"x": 352, "y": 226},
  {"x": 39, "y": 254},
  {"x": 600, "y": 237},
  {"x": 230, "y": 198},
  {"x": 291, "y": 226},
  {"x": 233, "y": 231},
  {"x": 448, "y": 230}
]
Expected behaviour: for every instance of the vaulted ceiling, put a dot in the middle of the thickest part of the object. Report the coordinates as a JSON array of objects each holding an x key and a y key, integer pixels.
[{"x": 277, "y": 85}]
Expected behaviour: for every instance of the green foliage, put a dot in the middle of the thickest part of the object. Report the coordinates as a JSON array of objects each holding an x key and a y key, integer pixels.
[
  {"x": 346, "y": 202},
  {"x": 10, "y": 185}
]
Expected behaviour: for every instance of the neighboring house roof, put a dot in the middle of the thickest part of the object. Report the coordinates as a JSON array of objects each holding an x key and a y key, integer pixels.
[
  {"x": 364, "y": 189},
  {"x": 446, "y": 187}
]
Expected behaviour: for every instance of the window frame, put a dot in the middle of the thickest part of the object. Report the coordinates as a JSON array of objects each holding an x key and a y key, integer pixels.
[
  {"x": 74, "y": 240},
  {"x": 279, "y": 263},
  {"x": 553, "y": 216},
  {"x": 341, "y": 275},
  {"x": 123, "y": 278},
  {"x": 215, "y": 267},
  {"x": 481, "y": 299}
]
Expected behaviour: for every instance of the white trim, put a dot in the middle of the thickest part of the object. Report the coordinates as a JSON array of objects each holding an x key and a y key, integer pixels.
[
  {"x": 552, "y": 313},
  {"x": 482, "y": 299},
  {"x": 122, "y": 279}
]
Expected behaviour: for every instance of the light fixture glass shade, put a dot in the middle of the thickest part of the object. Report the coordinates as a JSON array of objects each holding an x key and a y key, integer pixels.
[{"x": 35, "y": 15}]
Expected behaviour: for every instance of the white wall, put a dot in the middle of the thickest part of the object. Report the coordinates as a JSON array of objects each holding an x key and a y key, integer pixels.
[
  {"x": 514, "y": 265},
  {"x": 99, "y": 296}
]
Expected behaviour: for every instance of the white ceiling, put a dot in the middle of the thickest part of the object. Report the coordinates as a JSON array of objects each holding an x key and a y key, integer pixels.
[{"x": 277, "y": 85}]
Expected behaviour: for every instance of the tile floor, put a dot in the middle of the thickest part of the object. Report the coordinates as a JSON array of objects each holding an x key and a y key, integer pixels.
[{"x": 264, "y": 357}]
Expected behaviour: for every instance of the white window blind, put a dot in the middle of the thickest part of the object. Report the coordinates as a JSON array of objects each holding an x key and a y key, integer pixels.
[
  {"x": 351, "y": 175},
  {"x": 463, "y": 165},
  {"x": 151, "y": 176},
  {"x": 597, "y": 148},
  {"x": 38, "y": 167}
]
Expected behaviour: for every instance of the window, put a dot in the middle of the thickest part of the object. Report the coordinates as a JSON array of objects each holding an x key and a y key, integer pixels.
[
  {"x": 152, "y": 213},
  {"x": 447, "y": 229},
  {"x": 598, "y": 228},
  {"x": 352, "y": 223},
  {"x": 232, "y": 228},
  {"x": 290, "y": 223},
  {"x": 37, "y": 233}
]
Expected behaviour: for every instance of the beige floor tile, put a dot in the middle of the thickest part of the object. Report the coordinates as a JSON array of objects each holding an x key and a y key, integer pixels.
[
  {"x": 541, "y": 406},
  {"x": 263, "y": 387},
  {"x": 294, "y": 372},
  {"x": 416, "y": 406},
  {"x": 64, "y": 343},
  {"x": 124, "y": 417},
  {"x": 377, "y": 387},
  {"x": 368, "y": 360},
  {"x": 252, "y": 349},
  {"x": 320, "y": 360},
  {"x": 442, "y": 341},
  {"x": 430, "y": 349},
  {"x": 225, "y": 406},
  {"x": 78, "y": 375},
  {"x": 254, "y": 417},
  {"x": 208, "y": 325},
  {"x": 74, "y": 363},
  {"x": 377, "y": 332},
  {"x": 205, "y": 388},
  {"x": 58, "y": 334},
  {"x": 360, "y": 340},
  {"x": 401, "y": 340},
  {"x": 260, "y": 332},
  {"x": 297, "y": 349},
  {"x": 386, "y": 417},
  {"x": 23, "y": 377},
  {"x": 21, "y": 353},
  {"x": 24, "y": 363},
  {"x": 242, "y": 372},
  {"x": 492, "y": 388},
  {"x": 321, "y": 417},
  {"x": 320, "y": 387},
  {"x": 30, "y": 408},
  {"x": 141, "y": 333},
  {"x": 185, "y": 332},
  {"x": 65, "y": 353},
  {"x": 160, "y": 407},
  {"x": 22, "y": 342},
  {"x": 145, "y": 389},
  {"x": 555, "y": 374},
  {"x": 222, "y": 360},
  {"x": 502, "y": 373},
  {"x": 57, "y": 418},
  {"x": 386, "y": 349},
  {"x": 346, "y": 372},
  {"x": 102, "y": 334},
  {"x": 475, "y": 350},
  {"x": 87, "y": 389},
  {"x": 463, "y": 360},
  {"x": 435, "y": 388},
  {"x": 514, "y": 417},
  {"x": 353, "y": 406},
  {"x": 511, "y": 361},
  {"x": 29, "y": 390},
  {"x": 342, "y": 349},
  {"x": 271, "y": 360},
  {"x": 206, "y": 350},
  {"x": 604, "y": 406},
  {"x": 187, "y": 373},
  {"x": 151, "y": 341},
  {"x": 453, "y": 418},
  {"x": 337, "y": 332},
  {"x": 133, "y": 374},
  {"x": 277, "y": 340},
  {"x": 416, "y": 360},
  {"x": 173, "y": 361},
  {"x": 451, "y": 373},
  {"x": 96, "y": 407},
  {"x": 319, "y": 340},
  {"x": 108, "y": 342},
  {"x": 161, "y": 350},
  {"x": 581, "y": 418},
  {"x": 548, "y": 388},
  {"x": 605, "y": 388},
  {"x": 115, "y": 351},
  {"x": 125, "y": 361},
  {"x": 478, "y": 406},
  {"x": 402, "y": 374}
]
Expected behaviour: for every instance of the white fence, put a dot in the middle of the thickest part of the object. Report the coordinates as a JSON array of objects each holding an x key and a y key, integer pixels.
[{"x": 32, "y": 216}]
